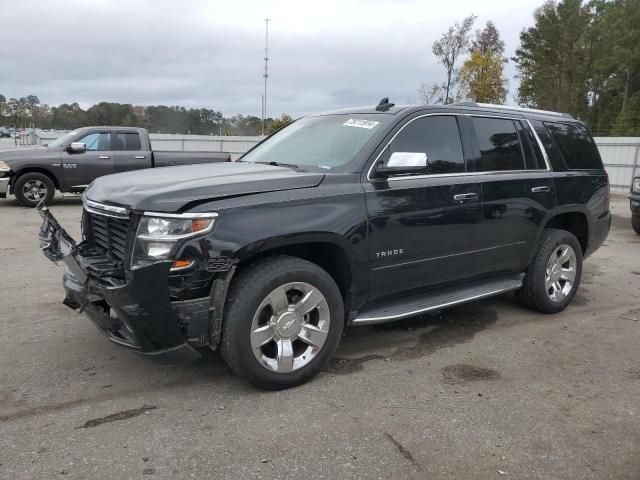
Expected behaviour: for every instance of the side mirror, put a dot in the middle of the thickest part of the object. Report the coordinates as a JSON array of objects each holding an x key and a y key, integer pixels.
[
  {"x": 403, "y": 163},
  {"x": 77, "y": 147}
]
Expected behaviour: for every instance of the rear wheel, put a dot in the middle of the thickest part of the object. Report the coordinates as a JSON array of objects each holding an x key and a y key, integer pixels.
[
  {"x": 554, "y": 275},
  {"x": 31, "y": 188},
  {"x": 282, "y": 322},
  {"x": 635, "y": 223}
]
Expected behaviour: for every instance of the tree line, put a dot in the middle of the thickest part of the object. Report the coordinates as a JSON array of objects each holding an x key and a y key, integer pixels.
[
  {"x": 27, "y": 111},
  {"x": 579, "y": 57}
]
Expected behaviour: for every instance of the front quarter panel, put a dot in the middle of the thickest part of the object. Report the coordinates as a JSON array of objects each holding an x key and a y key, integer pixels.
[{"x": 332, "y": 213}]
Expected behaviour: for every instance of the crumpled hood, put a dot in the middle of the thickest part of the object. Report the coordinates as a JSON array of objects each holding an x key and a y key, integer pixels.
[{"x": 169, "y": 189}]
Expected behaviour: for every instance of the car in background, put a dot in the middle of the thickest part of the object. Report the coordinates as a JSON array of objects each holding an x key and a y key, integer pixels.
[
  {"x": 634, "y": 200},
  {"x": 4, "y": 132}
]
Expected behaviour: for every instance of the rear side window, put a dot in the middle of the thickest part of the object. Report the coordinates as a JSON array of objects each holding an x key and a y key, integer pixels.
[
  {"x": 500, "y": 147},
  {"x": 127, "y": 141},
  {"x": 578, "y": 149},
  {"x": 436, "y": 136}
]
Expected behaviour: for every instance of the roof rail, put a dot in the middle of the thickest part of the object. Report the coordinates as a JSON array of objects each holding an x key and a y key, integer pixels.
[{"x": 509, "y": 107}]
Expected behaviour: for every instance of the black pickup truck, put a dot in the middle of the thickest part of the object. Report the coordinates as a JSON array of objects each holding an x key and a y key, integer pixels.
[
  {"x": 73, "y": 161},
  {"x": 351, "y": 217}
]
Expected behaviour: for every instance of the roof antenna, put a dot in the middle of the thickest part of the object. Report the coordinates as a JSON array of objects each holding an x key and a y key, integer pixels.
[{"x": 384, "y": 105}]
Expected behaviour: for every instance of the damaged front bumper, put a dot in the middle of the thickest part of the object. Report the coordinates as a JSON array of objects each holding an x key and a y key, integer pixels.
[{"x": 135, "y": 311}]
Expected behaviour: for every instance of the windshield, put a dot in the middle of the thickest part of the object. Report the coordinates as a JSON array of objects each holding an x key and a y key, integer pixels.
[
  {"x": 61, "y": 140},
  {"x": 326, "y": 142}
]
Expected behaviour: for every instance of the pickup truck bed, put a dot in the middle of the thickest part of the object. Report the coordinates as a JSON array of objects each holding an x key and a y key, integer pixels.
[{"x": 73, "y": 161}]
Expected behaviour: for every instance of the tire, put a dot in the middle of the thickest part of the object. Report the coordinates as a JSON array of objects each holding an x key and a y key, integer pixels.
[
  {"x": 31, "y": 187},
  {"x": 635, "y": 223},
  {"x": 545, "y": 273},
  {"x": 255, "y": 314}
]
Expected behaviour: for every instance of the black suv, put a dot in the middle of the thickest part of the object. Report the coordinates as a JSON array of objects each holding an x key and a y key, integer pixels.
[{"x": 350, "y": 217}]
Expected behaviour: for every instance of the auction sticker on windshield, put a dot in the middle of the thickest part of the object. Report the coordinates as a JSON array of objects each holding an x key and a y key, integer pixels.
[{"x": 360, "y": 123}]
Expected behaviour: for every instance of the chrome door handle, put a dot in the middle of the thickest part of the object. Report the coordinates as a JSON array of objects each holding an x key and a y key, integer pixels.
[
  {"x": 540, "y": 189},
  {"x": 465, "y": 197},
  {"x": 139, "y": 157},
  {"x": 104, "y": 157}
]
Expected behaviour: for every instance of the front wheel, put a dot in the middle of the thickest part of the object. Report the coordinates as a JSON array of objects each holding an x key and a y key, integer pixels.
[
  {"x": 283, "y": 320},
  {"x": 635, "y": 223},
  {"x": 31, "y": 188},
  {"x": 553, "y": 277}
]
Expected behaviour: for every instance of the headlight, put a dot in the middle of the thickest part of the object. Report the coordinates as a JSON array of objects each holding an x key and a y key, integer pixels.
[
  {"x": 159, "y": 234},
  {"x": 636, "y": 185},
  {"x": 4, "y": 168}
]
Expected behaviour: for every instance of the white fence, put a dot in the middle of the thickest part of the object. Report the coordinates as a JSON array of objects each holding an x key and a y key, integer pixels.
[{"x": 621, "y": 155}]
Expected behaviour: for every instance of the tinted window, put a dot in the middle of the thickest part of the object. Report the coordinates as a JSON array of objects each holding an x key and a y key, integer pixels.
[
  {"x": 576, "y": 145},
  {"x": 96, "y": 142},
  {"x": 500, "y": 147},
  {"x": 127, "y": 141},
  {"x": 438, "y": 137}
]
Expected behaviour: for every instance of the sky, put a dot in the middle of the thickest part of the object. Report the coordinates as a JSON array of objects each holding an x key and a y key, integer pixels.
[{"x": 209, "y": 53}]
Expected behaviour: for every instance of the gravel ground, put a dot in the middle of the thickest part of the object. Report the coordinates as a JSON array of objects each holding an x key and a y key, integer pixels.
[{"x": 485, "y": 390}]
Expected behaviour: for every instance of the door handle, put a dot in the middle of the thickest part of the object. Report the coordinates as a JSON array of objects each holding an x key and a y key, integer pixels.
[
  {"x": 104, "y": 157},
  {"x": 139, "y": 157},
  {"x": 465, "y": 197},
  {"x": 540, "y": 189}
]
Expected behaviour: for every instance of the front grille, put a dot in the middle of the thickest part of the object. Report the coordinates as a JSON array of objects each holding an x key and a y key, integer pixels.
[{"x": 108, "y": 233}]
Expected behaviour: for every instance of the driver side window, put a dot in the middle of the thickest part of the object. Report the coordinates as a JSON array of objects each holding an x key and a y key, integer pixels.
[
  {"x": 436, "y": 136},
  {"x": 96, "y": 141}
]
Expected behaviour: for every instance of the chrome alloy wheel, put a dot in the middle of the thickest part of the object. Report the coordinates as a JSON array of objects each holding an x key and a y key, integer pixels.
[
  {"x": 560, "y": 274},
  {"x": 290, "y": 327},
  {"x": 34, "y": 190}
]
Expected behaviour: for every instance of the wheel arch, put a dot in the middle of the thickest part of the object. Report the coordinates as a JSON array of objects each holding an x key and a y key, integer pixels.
[
  {"x": 25, "y": 170},
  {"x": 328, "y": 251},
  {"x": 574, "y": 222}
]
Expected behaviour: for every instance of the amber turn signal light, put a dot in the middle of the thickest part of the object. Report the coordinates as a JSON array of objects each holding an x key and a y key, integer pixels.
[
  {"x": 198, "y": 224},
  {"x": 181, "y": 264}
]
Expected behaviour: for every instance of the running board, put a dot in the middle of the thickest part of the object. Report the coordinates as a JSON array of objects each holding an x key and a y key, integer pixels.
[{"x": 412, "y": 305}]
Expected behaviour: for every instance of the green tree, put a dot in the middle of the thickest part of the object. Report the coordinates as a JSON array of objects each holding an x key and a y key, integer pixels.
[
  {"x": 554, "y": 58},
  {"x": 481, "y": 78},
  {"x": 278, "y": 123}
]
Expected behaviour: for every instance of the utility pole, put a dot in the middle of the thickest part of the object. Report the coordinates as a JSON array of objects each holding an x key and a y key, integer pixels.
[{"x": 266, "y": 71}]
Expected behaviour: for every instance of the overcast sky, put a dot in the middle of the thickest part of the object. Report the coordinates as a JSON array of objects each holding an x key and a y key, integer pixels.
[{"x": 323, "y": 54}]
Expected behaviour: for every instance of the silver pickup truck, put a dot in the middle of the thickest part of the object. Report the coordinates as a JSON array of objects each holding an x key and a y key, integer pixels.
[{"x": 73, "y": 161}]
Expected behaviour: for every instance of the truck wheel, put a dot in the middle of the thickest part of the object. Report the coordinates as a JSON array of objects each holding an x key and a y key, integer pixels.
[
  {"x": 283, "y": 320},
  {"x": 553, "y": 277},
  {"x": 30, "y": 188},
  {"x": 635, "y": 223}
]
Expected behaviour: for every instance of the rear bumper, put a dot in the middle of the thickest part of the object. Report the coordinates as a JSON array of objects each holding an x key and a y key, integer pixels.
[
  {"x": 4, "y": 186},
  {"x": 634, "y": 203},
  {"x": 598, "y": 232}
]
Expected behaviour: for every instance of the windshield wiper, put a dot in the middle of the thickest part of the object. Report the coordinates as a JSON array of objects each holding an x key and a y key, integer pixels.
[{"x": 280, "y": 164}]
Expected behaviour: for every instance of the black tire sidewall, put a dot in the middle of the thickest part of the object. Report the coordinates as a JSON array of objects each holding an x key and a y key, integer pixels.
[
  {"x": 22, "y": 179},
  {"x": 635, "y": 223},
  {"x": 249, "y": 292},
  {"x": 552, "y": 240}
]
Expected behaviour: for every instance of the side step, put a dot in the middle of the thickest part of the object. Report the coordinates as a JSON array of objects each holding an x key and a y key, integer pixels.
[{"x": 408, "y": 306}]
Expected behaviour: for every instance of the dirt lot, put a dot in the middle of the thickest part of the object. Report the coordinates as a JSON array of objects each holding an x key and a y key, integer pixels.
[{"x": 486, "y": 390}]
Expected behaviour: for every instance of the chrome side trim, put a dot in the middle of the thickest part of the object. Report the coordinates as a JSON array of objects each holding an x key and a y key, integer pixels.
[
  {"x": 458, "y": 174},
  {"x": 540, "y": 145},
  {"x": 384, "y": 267},
  {"x": 371, "y": 320},
  {"x": 181, "y": 215},
  {"x": 105, "y": 208},
  {"x": 79, "y": 186}
]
